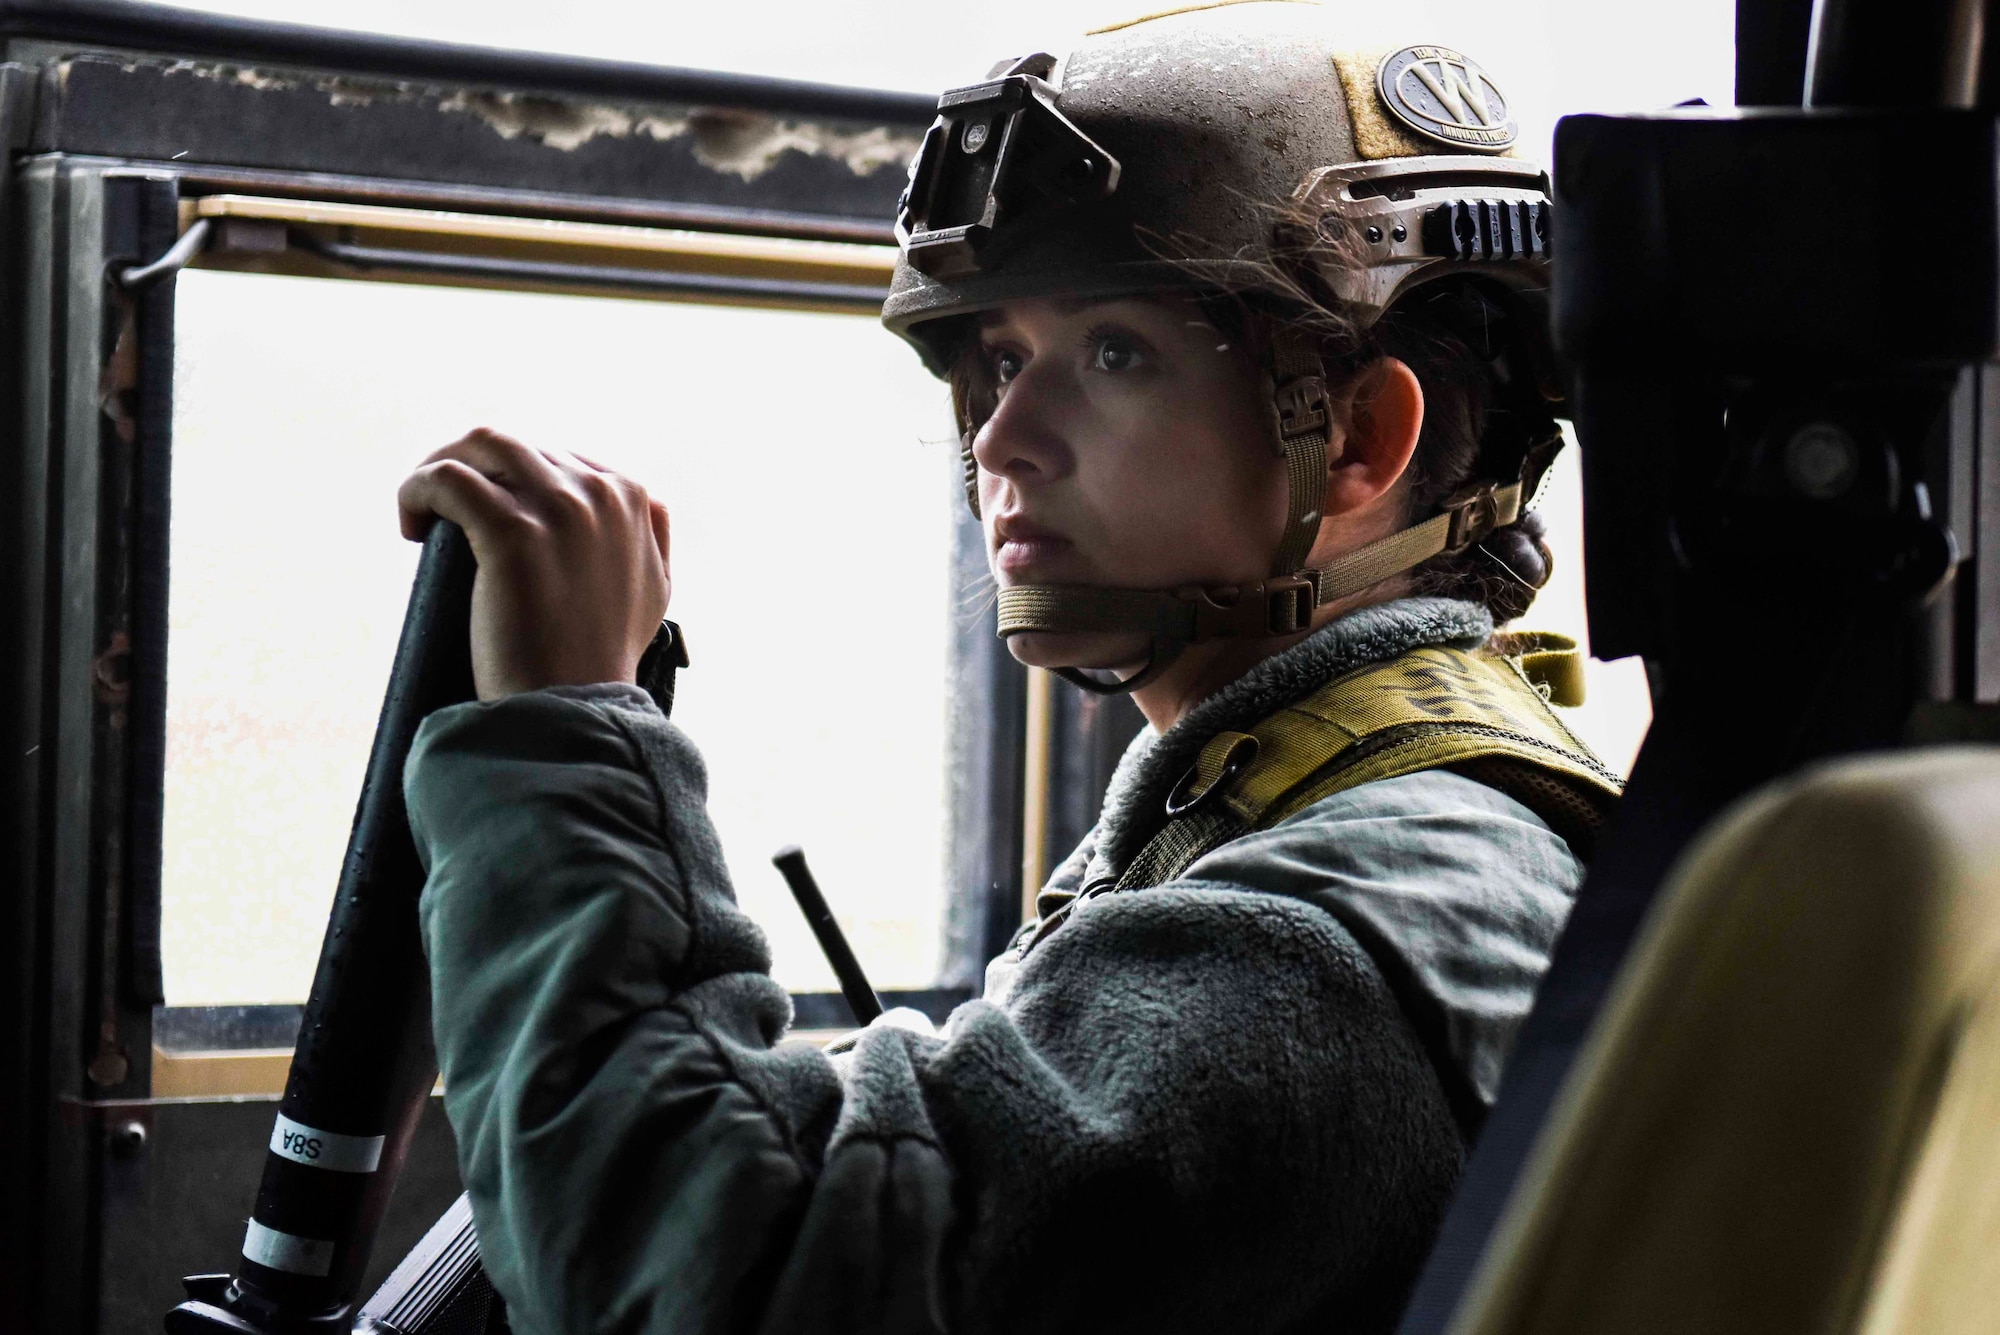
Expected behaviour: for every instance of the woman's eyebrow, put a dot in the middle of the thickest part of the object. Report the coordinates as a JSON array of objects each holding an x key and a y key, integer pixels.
[
  {"x": 1073, "y": 305},
  {"x": 996, "y": 317}
]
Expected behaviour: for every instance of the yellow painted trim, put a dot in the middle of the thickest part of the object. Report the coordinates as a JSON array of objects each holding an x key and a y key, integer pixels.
[
  {"x": 864, "y": 262},
  {"x": 188, "y": 1075},
  {"x": 1038, "y": 748},
  {"x": 231, "y": 1073}
]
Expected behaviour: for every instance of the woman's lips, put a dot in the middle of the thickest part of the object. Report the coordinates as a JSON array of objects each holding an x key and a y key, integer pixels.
[
  {"x": 1023, "y": 545},
  {"x": 1021, "y": 558}
]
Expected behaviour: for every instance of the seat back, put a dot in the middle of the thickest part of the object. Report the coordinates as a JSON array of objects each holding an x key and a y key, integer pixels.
[{"x": 1788, "y": 1115}]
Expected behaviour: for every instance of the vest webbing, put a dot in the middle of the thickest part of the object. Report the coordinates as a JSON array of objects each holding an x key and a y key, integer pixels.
[{"x": 1486, "y": 714}]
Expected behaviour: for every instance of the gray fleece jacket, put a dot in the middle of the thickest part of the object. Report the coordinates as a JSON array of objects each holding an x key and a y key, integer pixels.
[{"x": 1225, "y": 1103}]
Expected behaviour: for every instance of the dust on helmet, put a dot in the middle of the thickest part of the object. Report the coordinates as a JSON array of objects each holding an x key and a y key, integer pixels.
[{"x": 1150, "y": 159}]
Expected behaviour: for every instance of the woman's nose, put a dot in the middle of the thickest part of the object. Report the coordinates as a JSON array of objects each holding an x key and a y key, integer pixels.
[{"x": 1023, "y": 440}]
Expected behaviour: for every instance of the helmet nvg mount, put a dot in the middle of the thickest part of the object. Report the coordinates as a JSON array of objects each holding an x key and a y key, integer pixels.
[{"x": 1150, "y": 159}]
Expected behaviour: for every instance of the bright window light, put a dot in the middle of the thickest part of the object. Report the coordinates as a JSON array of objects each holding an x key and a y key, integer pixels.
[{"x": 801, "y": 456}]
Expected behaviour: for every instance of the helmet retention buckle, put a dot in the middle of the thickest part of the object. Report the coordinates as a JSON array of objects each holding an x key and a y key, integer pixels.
[
  {"x": 1475, "y": 512},
  {"x": 1302, "y": 406},
  {"x": 1282, "y": 605}
]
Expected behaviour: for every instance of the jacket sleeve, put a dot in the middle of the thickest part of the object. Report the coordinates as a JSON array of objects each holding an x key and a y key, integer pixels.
[{"x": 1198, "y": 1109}]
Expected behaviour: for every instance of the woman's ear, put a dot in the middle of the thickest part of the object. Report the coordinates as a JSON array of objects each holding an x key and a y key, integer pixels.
[{"x": 1384, "y": 416}]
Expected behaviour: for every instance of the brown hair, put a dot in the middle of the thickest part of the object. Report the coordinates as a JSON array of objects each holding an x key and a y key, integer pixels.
[{"x": 1247, "y": 299}]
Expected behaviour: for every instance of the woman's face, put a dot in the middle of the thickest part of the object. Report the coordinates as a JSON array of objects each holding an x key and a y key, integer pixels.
[{"x": 1130, "y": 448}]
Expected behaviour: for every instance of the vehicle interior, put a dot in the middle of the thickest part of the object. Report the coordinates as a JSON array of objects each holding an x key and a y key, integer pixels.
[{"x": 1760, "y": 1088}]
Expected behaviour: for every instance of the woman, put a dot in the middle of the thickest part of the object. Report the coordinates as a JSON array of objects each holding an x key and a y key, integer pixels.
[{"x": 1226, "y": 1080}]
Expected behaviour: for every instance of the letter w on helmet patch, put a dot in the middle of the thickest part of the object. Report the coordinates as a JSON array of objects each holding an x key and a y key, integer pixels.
[{"x": 1446, "y": 97}]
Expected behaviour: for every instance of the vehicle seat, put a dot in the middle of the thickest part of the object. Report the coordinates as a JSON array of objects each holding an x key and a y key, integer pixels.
[{"x": 1788, "y": 1115}]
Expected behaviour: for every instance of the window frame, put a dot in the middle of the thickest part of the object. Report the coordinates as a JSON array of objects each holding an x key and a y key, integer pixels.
[
  {"x": 752, "y": 274},
  {"x": 88, "y": 105}
]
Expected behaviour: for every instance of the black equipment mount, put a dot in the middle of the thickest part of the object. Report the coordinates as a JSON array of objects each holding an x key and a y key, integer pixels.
[{"x": 1781, "y": 327}]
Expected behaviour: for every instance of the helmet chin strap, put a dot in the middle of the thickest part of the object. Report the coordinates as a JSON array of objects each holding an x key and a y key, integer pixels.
[
  {"x": 1279, "y": 606},
  {"x": 1283, "y": 604}
]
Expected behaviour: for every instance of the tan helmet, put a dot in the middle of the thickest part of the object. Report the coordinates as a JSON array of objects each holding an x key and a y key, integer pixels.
[{"x": 1155, "y": 156}]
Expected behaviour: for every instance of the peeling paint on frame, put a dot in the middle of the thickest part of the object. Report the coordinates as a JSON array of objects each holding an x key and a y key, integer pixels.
[
  {"x": 742, "y": 143},
  {"x": 747, "y": 144},
  {"x": 559, "y": 123}
]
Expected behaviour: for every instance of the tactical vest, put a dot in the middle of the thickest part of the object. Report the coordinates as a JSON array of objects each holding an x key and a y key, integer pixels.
[{"x": 1485, "y": 714}]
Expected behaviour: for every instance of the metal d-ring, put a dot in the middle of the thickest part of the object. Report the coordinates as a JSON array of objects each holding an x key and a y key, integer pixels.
[
  {"x": 177, "y": 257},
  {"x": 1178, "y": 801}
]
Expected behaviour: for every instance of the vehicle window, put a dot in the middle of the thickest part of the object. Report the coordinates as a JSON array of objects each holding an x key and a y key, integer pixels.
[
  {"x": 812, "y": 494},
  {"x": 1617, "y": 709}
]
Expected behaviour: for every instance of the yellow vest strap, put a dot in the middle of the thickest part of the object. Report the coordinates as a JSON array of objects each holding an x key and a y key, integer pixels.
[
  {"x": 1554, "y": 663},
  {"x": 1431, "y": 708}
]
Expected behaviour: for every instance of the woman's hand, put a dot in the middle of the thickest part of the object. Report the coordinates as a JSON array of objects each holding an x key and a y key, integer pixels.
[{"x": 572, "y": 561}]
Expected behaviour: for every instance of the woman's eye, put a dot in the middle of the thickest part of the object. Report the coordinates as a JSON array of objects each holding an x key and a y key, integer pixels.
[
  {"x": 1115, "y": 352},
  {"x": 1006, "y": 365}
]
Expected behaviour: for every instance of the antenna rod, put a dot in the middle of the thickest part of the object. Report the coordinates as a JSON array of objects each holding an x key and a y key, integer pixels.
[{"x": 854, "y": 985}]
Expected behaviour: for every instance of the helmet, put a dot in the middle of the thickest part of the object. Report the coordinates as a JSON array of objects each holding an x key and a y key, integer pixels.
[{"x": 1152, "y": 157}]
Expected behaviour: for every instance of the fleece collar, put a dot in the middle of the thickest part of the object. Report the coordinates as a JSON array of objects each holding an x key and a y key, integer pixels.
[{"x": 1135, "y": 800}]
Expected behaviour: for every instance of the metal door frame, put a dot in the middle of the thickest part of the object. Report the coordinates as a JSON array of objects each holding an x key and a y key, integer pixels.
[{"x": 92, "y": 96}]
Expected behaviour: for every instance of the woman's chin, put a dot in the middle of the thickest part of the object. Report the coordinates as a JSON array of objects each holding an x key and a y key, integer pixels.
[{"x": 1096, "y": 652}]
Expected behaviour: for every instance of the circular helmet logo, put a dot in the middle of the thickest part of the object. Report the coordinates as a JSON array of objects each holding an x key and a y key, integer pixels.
[{"x": 1448, "y": 98}]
